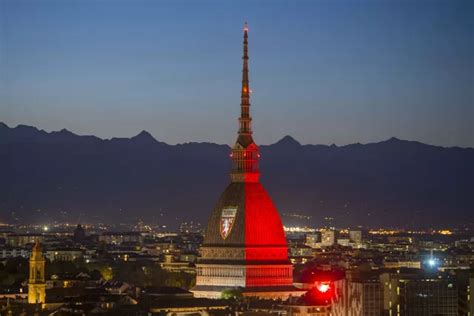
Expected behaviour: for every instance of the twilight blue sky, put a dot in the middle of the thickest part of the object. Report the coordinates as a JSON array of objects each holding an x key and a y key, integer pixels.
[{"x": 322, "y": 71}]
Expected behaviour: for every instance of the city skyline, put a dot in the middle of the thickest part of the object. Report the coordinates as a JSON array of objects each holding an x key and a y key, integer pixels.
[
  {"x": 345, "y": 73},
  {"x": 115, "y": 124}
]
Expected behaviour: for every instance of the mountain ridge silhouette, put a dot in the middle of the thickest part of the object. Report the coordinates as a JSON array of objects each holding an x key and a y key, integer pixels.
[{"x": 393, "y": 183}]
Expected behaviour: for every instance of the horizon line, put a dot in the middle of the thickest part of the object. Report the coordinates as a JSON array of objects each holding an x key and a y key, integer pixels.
[{"x": 392, "y": 138}]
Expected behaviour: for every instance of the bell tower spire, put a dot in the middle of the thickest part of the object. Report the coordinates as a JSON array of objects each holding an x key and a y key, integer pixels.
[{"x": 245, "y": 153}]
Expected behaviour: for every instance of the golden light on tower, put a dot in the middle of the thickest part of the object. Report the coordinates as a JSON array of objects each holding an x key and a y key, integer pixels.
[{"x": 36, "y": 281}]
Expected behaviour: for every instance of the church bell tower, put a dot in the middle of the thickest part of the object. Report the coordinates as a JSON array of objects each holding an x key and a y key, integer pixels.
[{"x": 36, "y": 282}]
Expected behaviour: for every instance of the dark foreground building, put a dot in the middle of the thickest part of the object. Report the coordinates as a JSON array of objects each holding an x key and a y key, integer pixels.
[{"x": 244, "y": 245}]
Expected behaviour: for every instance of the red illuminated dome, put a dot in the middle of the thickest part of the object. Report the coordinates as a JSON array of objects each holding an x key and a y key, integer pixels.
[
  {"x": 244, "y": 245},
  {"x": 245, "y": 214},
  {"x": 255, "y": 225}
]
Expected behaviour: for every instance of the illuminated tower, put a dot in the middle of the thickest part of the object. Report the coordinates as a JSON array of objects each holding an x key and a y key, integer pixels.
[
  {"x": 36, "y": 282},
  {"x": 244, "y": 245}
]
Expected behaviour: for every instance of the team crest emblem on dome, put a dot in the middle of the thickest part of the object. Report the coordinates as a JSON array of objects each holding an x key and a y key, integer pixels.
[{"x": 227, "y": 220}]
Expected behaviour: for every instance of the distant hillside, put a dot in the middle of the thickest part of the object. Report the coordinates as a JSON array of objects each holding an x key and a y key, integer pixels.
[{"x": 65, "y": 176}]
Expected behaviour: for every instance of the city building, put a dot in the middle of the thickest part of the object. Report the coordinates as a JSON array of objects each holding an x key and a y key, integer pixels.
[
  {"x": 11, "y": 252},
  {"x": 64, "y": 254},
  {"x": 304, "y": 309},
  {"x": 315, "y": 302},
  {"x": 397, "y": 264},
  {"x": 313, "y": 240},
  {"x": 359, "y": 294},
  {"x": 355, "y": 236},
  {"x": 36, "y": 282},
  {"x": 21, "y": 240},
  {"x": 118, "y": 238},
  {"x": 244, "y": 245},
  {"x": 344, "y": 242},
  {"x": 415, "y": 293},
  {"x": 172, "y": 265},
  {"x": 79, "y": 233},
  {"x": 328, "y": 238}
]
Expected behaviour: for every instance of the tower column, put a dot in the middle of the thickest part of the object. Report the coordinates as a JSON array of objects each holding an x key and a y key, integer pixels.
[{"x": 36, "y": 281}]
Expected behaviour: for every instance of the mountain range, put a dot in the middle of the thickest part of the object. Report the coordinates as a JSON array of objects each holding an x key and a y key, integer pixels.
[{"x": 393, "y": 183}]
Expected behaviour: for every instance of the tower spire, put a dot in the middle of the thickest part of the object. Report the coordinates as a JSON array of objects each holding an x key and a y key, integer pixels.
[
  {"x": 245, "y": 153},
  {"x": 245, "y": 119}
]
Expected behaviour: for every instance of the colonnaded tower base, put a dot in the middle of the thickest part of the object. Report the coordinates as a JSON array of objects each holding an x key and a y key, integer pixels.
[{"x": 244, "y": 246}]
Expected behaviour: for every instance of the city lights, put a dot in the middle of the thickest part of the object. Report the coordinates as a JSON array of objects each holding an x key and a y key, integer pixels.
[
  {"x": 214, "y": 216},
  {"x": 432, "y": 263}
]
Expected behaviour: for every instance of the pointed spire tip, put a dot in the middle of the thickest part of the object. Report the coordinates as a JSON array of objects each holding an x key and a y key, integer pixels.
[{"x": 246, "y": 27}]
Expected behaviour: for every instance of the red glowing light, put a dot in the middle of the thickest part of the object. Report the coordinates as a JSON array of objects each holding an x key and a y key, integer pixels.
[
  {"x": 322, "y": 293},
  {"x": 323, "y": 287}
]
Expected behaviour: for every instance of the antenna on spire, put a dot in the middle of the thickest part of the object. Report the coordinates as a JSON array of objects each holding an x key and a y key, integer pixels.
[{"x": 246, "y": 27}]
